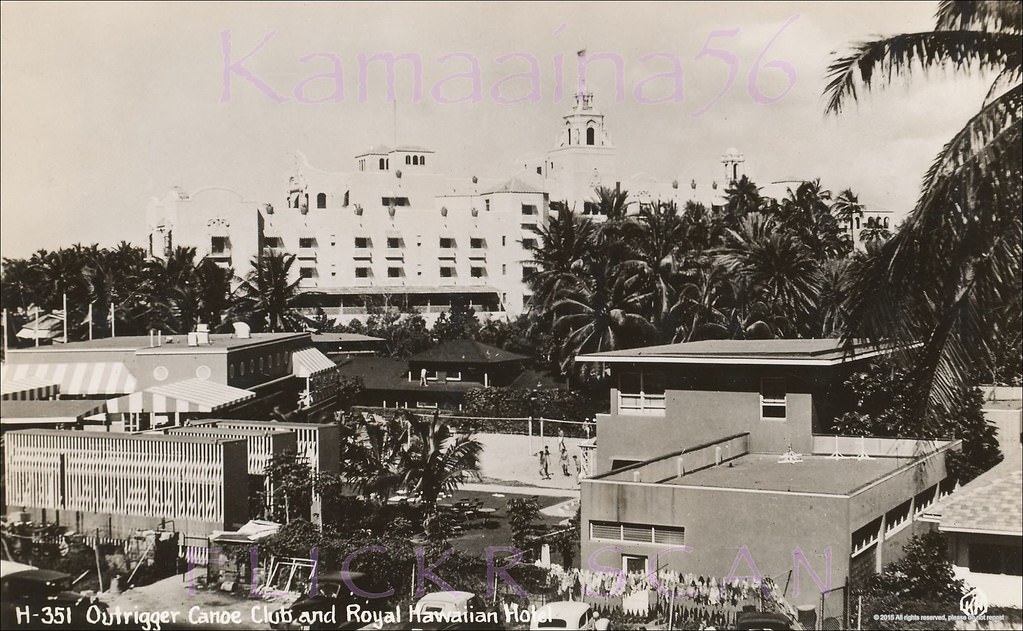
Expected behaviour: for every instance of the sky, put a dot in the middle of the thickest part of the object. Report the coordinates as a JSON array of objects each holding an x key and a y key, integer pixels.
[{"x": 108, "y": 105}]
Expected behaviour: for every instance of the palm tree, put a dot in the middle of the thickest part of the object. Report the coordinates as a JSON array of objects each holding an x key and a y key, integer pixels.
[
  {"x": 565, "y": 242},
  {"x": 742, "y": 197},
  {"x": 807, "y": 212},
  {"x": 373, "y": 454},
  {"x": 267, "y": 296},
  {"x": 612, "y": 203},
  {"x": 655, "y": 237},
  {"x": 957, "y": 255},
  {"x": 605, "y": 311},
  {"x": 437, "y": 460},
  {"x": 776, "y": 268}
]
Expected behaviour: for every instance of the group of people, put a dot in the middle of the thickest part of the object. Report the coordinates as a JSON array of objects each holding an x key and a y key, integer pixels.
[{"x": 545, "y": 459}]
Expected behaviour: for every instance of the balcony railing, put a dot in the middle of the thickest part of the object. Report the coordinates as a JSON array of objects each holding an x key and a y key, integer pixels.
[{"x": 307, "y": 253}]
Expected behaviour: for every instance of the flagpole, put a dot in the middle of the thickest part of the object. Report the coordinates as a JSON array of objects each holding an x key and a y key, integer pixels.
[
  {"x": 113, "y": 321},
  {"x": 35, "y": 324},
  {"x": 5, "y": 333},
  {"x": 66, "y": 340},
  {"x": 90, "y": 319}
]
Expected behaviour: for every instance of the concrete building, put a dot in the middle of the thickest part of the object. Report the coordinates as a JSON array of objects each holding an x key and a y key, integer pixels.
[
  {"x": 396, "y": 230},
  {"x": 117, "y": 483},
  {"x": 151, "y": 380},
  {"x": 726, "y": 447}
]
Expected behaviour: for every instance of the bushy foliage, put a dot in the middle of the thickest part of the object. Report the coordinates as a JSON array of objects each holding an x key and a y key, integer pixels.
[
  {"x": 523, "y": 515},
  {"x": 553, "y": 403},
  {"x": 922, "y": 579}
]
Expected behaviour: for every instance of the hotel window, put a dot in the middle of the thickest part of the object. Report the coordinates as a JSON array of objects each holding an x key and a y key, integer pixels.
[
  {"x": 422, "y": 160},
  {"x": 362, "y": 165},
  {"x": 218, "y": 245},
  {"x": 394, "y": 272},
  {"x": 504, "y": 269},
  {"x": 478, "y": 272},
  {"x": 362, "y": 272},
  {"x": 529, "y": 244},
  {"x": 447, "y": 243},
  {"x": 641, "y": 393},
  {"x": 382, "y": 163},
  {"x": 361, "y": 242},
  {"x": 447, "y": 272},
  {"x": 306, "y": 272},
  {"x": 393, "y": 243},
  {"x": 307, "y": 242},
  {"x": 527, "y": 272},
  {"x": 321, "y": 200},
  {"x": 273, "y": 242},
  {"x": 638, "y": 533},
  {"x": 394, "y": 201},
  {"x": 486, "y": 204},
  {"x": 477, "y": 243},
  {"x": 773, "y": 399},
  {"x": 408, "y": 159},
  {"x": 528, "y": 209}
]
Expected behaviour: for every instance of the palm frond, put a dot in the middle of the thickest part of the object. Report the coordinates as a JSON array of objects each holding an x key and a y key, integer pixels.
[{"x": 884, "y": 59}]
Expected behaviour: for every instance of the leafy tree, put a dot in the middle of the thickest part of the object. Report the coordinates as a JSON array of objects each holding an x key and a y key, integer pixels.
[
  {"x": 523, "y": 515},
  {"x": 957, "y": 255},
  {"x": 405, "y": 333},
  {"x": 922, "y": 579},
  {"x": 461, "y": 324},
  {"x": 291, "y": 481}
]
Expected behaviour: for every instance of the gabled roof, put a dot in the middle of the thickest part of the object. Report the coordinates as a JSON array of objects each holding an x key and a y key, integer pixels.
[
  {"x": 817, "y": 352},
  {"x": 465, "y": 352},
  {"x": 990, "y": 504}
]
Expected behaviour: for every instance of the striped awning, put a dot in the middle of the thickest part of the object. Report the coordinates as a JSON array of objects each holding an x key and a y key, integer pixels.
[
  {"x": 28, "y": 389},
  {"x": 309, "y": 361},
  {"x": 82, "y": 378},
  {"x": 191, "y": 395}
]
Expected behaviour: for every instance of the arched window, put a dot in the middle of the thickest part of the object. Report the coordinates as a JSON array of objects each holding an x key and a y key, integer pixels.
[
  {"x": 885, "y": 222},
  {"x": 422, "y": 161},
  {"x": 381, "y": 164},
  {"x": 590, "y": 135},
  {"x": 415, "y": 160},
  {"x": 857, "y": 223},
  {"x": 408, "y": 159},
  {"x": 321, "y": 200}
]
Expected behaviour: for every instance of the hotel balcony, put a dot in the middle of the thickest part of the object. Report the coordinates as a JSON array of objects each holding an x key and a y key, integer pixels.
[
  {"x": 307, "y": 253},
  {"x": 220, "y": 255}
]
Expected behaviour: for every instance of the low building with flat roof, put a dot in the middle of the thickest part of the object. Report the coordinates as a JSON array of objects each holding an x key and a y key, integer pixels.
[
  {"x": 116, "y": 483},
  {"x": 719, "y": 458}
]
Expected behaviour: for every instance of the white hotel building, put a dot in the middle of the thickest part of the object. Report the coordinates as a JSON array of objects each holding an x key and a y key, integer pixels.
[{"x": 396, "y": 231}]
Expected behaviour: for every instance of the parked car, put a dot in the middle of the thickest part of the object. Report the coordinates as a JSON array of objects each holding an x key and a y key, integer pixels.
[
  {"x": 448, "y": 611},
  {"x": 762, "y": 620},
  {"x": 42, "y": 599},
  {"x": 564, "y": 615},
  {"x": 333, "y": 594}
]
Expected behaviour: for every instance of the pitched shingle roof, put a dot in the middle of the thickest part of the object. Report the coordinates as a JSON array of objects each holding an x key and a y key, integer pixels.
[{"x": 991, "y": 503}]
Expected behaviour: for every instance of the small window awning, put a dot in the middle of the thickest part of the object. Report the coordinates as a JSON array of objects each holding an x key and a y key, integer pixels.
[
  {"x": 190, "y": 395},
  {"x": 28, "y": 389},
  {"x": 310, "y": 361},
  {"x": 82, "y": 378}
]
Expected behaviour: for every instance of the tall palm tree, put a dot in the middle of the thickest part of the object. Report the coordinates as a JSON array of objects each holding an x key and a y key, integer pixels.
[
  {"x": 267, "y": 295},
  {"x": 958, "y": 253},
  {"x": 807, "y": 212},
  {"x": 612, "y": 203},
  {"x": 373, "y": 455},
  {"x": 565, "y": 241},
  {"x": 742, "y": 197},
  {"x": 605, "y": 311},
  {"x": 655, "y": 237}
]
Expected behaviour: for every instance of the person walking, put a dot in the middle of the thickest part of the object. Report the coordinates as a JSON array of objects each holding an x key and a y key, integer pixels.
[
  {"x": 564, "y": 460},
  {"x": 545, "y": 462}
]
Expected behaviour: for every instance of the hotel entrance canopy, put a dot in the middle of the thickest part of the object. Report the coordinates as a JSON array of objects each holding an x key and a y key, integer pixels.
[{"x": 190, "y": 395}]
